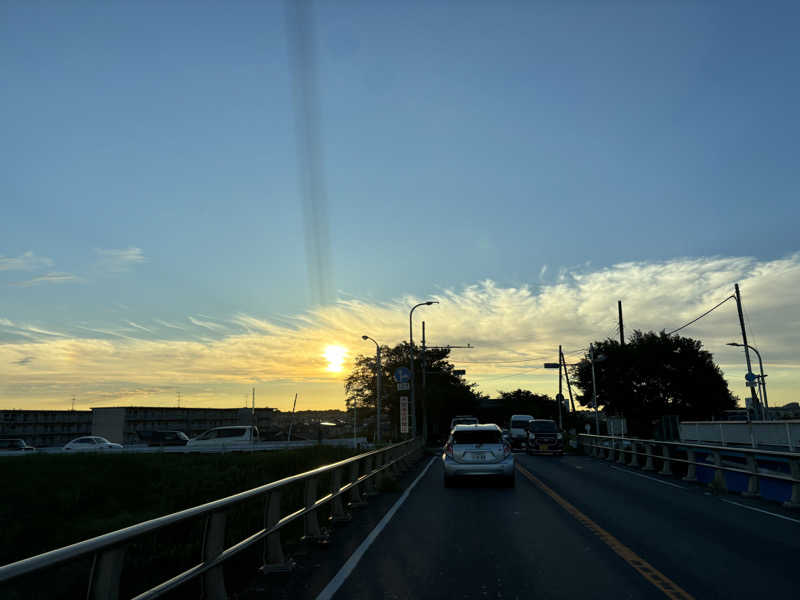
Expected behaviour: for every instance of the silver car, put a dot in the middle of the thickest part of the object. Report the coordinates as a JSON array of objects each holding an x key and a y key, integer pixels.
[{"x": 477, "y": 450}]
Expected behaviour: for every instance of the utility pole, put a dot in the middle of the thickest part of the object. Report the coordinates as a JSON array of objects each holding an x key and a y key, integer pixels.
[
  {"x": 594, "y": 391},
  {"x": 621, "y": 329},
  {"x": 566, "y": 375},
  {"x": 756, "y": 408},
  {"x": 560, "y": 395},
  {"x": 291, "y": 421},
  {"x": 411, "y": 360},
  {"x": 73, "y": 403},
  {"x": 424, "y": 384}
]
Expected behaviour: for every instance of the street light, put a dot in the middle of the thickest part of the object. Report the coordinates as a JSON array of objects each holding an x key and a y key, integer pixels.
[
  {"x": 378, "y": 386},
  {"x": 411, "y": 354},
  {"x": 594, "y": 359},
  {"x": 763, "y": 382}
]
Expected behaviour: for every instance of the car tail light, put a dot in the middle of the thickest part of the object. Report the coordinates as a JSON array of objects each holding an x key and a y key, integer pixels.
[{"x": 448, "y": 449}]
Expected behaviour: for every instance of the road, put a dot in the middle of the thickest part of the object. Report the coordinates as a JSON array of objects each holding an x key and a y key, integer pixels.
[{"x": 577, "y": 527}]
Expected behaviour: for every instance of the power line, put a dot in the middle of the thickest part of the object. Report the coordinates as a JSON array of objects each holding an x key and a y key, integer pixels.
[
  {"x": 499, "y": 362},
  {"x": 701, "y": 316}
]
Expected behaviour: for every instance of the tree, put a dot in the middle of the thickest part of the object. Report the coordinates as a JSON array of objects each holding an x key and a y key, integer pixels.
[
  {"x": 653, "y": 375},
  {"x": 447, "y": 394},
  {"x": 525, "y": 402}
]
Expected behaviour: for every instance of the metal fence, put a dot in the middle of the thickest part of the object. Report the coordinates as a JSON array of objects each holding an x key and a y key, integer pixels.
[
  {"x": 629, "y": 451},
  {"x": 757, "y": 434},
  {"x": 352, "y": 476}
]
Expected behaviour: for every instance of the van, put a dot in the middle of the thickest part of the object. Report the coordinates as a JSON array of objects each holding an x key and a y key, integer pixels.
[
  {"x": 463, "y": 420},
  {"x": 231, "y": 436},
  {"x": 518, "y": 430}
]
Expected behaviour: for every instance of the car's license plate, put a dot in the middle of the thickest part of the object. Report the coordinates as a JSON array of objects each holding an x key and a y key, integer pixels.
[
  {"x": 478, "y": 456},
  {"x": 544, "y": 446}
]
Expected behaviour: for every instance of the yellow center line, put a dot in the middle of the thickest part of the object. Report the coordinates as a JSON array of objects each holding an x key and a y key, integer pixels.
[{"x": 644, "y": 568}]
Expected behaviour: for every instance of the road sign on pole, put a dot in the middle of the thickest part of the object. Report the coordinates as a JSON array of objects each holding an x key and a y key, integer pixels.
[
  {"x": 551, "y": 365},
  {"x": 750, "y": 377},
  {"x": 402, "y": 387},
  {"x": 402, "y": 375},
  {"x": 403, "y": 414}
]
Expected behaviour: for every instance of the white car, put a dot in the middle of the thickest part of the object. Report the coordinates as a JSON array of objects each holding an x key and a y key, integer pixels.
[
  {"x": 91, "y": 443},
  {"x": 232, "y": 436},
  {"x": 518, "y": 430}
]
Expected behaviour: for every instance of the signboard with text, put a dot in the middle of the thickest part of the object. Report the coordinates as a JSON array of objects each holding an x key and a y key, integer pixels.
[{"x": 403, "y": 414}]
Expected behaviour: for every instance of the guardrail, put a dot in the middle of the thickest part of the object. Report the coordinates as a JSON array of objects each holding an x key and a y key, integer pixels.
[
  {"x": 756, "y": 434},
  {"x": 627, "y": 451},
  {"x": 108, "y": 550}
]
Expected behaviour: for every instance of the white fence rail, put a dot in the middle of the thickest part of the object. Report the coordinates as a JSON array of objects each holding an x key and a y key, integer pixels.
[
  {"x": 350, "y": 477},
  {"x": 756, "y": 434}
]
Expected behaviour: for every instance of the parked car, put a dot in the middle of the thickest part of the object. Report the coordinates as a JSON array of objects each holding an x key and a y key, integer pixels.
[
  {"x": 518, "y": 430},
  {"x": 15, "y": 445},
  {"x": 544, "y": 436},
  {"x": 463, "y": 420},
  {"x": 90, "y": 443},
  {"x": 163, "y": 438},
  {"x": 477, "y": 450},
  {"x": 237, "y": 435}
]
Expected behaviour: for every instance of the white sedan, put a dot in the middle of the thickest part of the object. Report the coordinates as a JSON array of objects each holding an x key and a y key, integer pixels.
[{"x": 91, "y": 443}]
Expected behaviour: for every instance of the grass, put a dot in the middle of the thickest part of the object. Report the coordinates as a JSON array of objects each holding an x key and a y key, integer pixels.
[{"x": 50, "y": 501}]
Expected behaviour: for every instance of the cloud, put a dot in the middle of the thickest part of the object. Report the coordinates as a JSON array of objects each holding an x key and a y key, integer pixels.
[
  {"x": 169, "y": 325},
  {"x": 140, "y": 327},
  {"x": 25, "y": 262},
  {"x": 48, "y": 278},
  {"x": 513, "y": 330},
  {"x": 211, "y": 326},
  {"x": 118, "y": 260},
  {"x": 24, "y": 361},
  {"x": 6, "y": 323}
]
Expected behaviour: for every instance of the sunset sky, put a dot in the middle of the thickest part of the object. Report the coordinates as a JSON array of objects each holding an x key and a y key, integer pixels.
[{"x": 526, "y": 164}]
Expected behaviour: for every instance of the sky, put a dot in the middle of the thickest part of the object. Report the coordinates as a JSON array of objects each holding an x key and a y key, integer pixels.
[{"x": 527, "y": 164}]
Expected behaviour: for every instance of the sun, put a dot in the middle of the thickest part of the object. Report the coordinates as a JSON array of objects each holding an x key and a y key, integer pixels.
[{"x": 335, "y": 356}]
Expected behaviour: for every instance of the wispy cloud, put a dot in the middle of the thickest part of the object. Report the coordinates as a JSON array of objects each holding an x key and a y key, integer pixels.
[
  {"x": 140, "y": 327},
  {"x": 54, "y": 277},
  {"x": 210, "y": 325},
  {"x": 24, "y": 361},
  {"x": 6, "y": 323},
  {"x": 513, "y": 330},
  {"x": 118, "y": 260},
  {"x": 25, "y": 262},
  {"x": 169, "y": 325}
]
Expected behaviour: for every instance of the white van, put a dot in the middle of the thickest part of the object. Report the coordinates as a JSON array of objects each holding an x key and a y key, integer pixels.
[
  {"x": 463, "y": 420},
  {"x": 232, "y": 436},
  {"x": 518, "y": 430}
]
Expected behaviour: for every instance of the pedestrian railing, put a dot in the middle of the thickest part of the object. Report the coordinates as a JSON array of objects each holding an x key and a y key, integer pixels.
[
  {"x": 629, "y": 451},
  {"x": 352, "y": 477}
]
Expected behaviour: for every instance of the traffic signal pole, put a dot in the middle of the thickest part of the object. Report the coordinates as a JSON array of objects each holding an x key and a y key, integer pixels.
[{"x": 756, "y": 408}]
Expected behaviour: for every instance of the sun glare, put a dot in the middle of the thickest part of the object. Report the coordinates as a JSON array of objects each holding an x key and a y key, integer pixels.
[{"x": 335, "y": 357}]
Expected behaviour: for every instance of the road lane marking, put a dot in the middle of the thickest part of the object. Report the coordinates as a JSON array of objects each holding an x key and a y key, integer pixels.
[
  {"x": 657, "y": 578},
  {"x": 766, "y": 512},
  {"x": 347, "y": 568},
  {"x": 680, "y": 487}
]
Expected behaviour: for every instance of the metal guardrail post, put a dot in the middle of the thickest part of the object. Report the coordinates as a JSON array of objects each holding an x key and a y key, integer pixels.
[
  {"x": 666, "y": 467},
  {"x": 648, "y": 463},
  {"x": 691, "y": 468},
  {"x": 213, "y": 545},
  {"x": 273, "y": 559},
  {"x": 106, "y": 572},
  {"x": 752, "y": 480},
  {"x": 355, "y": 494},
  {"x": 370, "y": 486},
  {"x": 634, "y": 462},
  {"x": 622, "y": 452},
  {"x": 611, "y": 448},
  {"x": 719, "y": 476},
  {"x": 311, "y": 530},
  {"x": 338, "y": 513},
  {"x": 794, "y": 468}
]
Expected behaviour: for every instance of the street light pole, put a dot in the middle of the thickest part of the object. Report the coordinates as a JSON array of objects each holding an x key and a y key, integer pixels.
[
  {"x": 378, "y": 387},
  {"x": 763, "y": 381},
  {"x": 411, "y": 360}
]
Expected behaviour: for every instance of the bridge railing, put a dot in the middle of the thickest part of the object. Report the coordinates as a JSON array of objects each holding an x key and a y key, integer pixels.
[
  {"x": 353, "y": 476},
  {"x": 629, "y": 451}
]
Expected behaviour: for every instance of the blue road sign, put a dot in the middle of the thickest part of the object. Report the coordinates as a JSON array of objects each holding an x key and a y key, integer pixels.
[
  {"x": 750, "y": 377},
  {"x": 402, "y": 375}
]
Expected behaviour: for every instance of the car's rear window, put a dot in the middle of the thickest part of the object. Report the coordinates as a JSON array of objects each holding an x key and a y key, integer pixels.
[
  {"x": 480, "y": 436},
  {"x": 519, "y": 424},
  {"x": 542, "y": 426}
]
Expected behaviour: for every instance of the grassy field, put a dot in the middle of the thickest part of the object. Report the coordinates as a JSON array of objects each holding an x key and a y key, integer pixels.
[{"x": 49, "y": 501}]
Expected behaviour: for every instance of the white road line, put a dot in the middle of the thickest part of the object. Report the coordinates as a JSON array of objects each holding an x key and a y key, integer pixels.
[
  {"x": 680, "y": 487},
  {"x": 347, "y": 568},
  {"x": 766, "y": 512}
]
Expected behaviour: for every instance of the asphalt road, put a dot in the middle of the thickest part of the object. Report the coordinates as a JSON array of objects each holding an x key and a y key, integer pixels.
[{"x": 578, "y": 527}]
